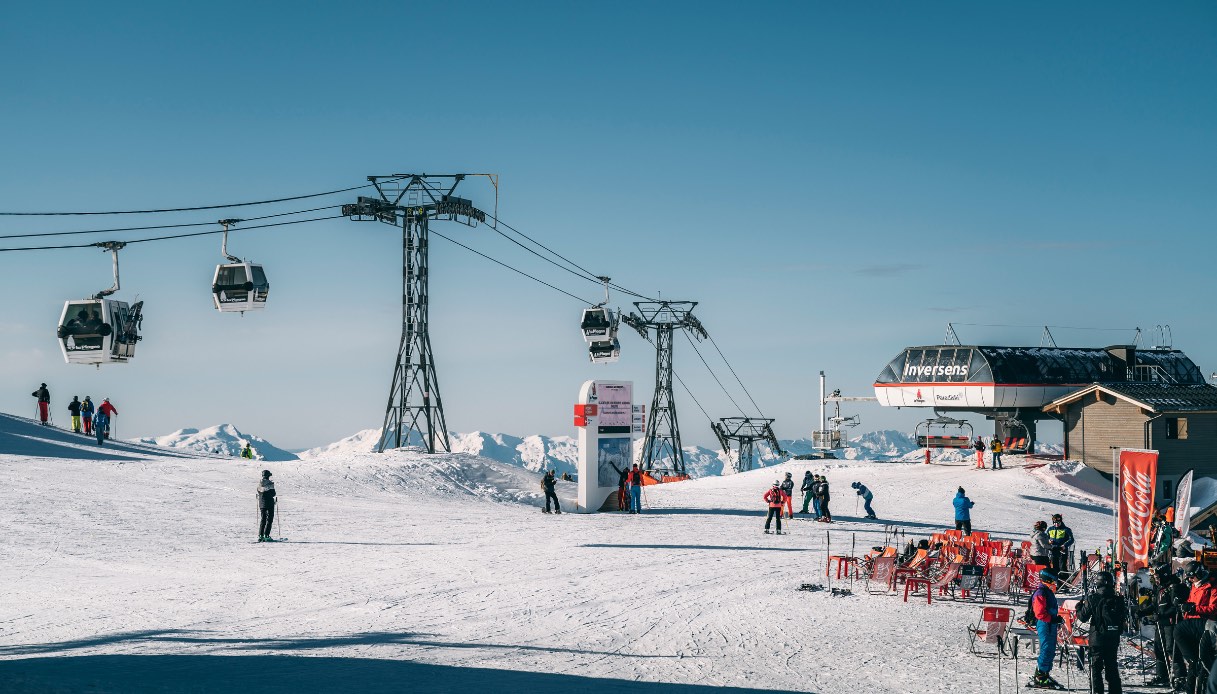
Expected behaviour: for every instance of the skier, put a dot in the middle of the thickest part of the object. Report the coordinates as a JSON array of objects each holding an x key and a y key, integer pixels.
[
  {"x": 774, "y": 498},
  {"x": 101, "y": 422},
  {"x": 109, "y": 411},
  {"x": 623, "y": 474},
  {"x": 547, "y": 484},
  {"x": 1164, "y": 538},
  {"x": 824, "y": 497},
  {"x": 44, "y": 403},
  {"x": 808, "y": 497},
  {"x": 963, "y": 513},
  {"x": 1061, "y": 538},
  {"x": 74, "y": 408},
  {"x": 996, "y": 447},
  {"x": 1041, "y": 547},
  {"x": 635, "y": 480},
  {"x": 866, "y": 495},
  {"x": 815, "y": 495},
  {"x": 1192, "y": 647},
  {"x": 980, "y": 453},
  {"x": 788, "y": 492},
  {"x": 247, "y": 452},
  {"x": 86, "y": 415},
  {"x": 1170, "y": 596},
  {"x": 1107, "y": 616},
  {"x": 266, "y": 506},
  {"x": 1047, "y": 622}
]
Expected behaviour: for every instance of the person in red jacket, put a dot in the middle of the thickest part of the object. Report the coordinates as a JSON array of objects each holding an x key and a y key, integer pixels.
[
  {"x": 109, "y": 411},
  {"x": 1192, "y": 647},
  {"x": 775, "y": 498}
]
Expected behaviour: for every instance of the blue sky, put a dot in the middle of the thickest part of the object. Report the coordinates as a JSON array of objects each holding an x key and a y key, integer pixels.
[{"x": 832, "y": 184}]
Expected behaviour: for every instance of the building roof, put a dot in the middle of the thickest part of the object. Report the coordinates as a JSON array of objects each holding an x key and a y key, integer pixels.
[
  {"x": 1155, "y": 397},
  {"x": 1066, "y": 366}
]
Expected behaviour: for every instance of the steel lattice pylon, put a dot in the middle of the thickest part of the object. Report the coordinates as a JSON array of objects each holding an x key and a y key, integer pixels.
[
  {"x": 746, "y": 430},
  {"x": 415, "y": 409},
  {"x": 662, "y": 439}
]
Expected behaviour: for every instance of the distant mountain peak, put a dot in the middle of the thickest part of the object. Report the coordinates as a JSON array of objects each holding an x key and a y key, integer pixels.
[{"x": 221, "y": 440}]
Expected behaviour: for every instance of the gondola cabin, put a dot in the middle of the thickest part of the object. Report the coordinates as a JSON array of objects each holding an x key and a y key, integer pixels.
[
  {"x": 239, "y": 287},
  {"x": 597, "y": 324},
  {"x": 99, "y": 331},
  {"x": 604, "y": 352}
]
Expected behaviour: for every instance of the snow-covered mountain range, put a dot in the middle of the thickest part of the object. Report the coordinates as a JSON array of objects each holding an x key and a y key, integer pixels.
[{"x": 223, "y": 440}]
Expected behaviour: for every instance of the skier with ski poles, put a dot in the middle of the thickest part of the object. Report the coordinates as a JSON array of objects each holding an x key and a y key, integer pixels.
[
  {"x": 74, "y": 410},
  {"x": 1108, "y": 616},
  {"x": 110, "y": 412},
  {"x": 788, "y": 493},
  {"x": 822, "y": 493},
  {"x": 1193, "y": 646},
  {"x": 266, "y": 507},
  {"x": 1169, "y": 596},
  {"x": 1047, "y": 623},
  {"x": 101, "y": 422},
  {"x": 867, "y": 496},
  {"x": 773, "y": 497},
  {"x": 44, "y": 403},
  {"x": 808, "y": 496}
]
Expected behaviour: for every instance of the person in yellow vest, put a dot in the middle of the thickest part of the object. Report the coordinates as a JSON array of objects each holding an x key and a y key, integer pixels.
[
  {"x": 247, "y": 452},
  {"x": 996, "y": 448}
]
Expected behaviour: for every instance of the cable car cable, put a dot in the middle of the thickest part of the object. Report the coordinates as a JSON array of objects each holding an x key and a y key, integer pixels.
[
  {"x": 737, "y": 378},
  {"x": 161, "y": 226},
  {"x": 175, "y": 236},
  {"x": 188, "y": 209},
  {"x": 499, "y": 262},
  {"x": 714, "y": 375}
]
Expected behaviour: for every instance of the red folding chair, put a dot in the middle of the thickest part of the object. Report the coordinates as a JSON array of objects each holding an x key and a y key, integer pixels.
[{"x": 992, "y": 627}]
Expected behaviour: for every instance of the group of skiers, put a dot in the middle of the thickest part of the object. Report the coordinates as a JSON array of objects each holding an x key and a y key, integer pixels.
[
  {"x": 1183, "y": 610},
  {"x": 1052, "y": 546},
  {"x": 995, "y": 448},
  {"x": 86, "y": 418},
  {"x": 816, "y": 497}
]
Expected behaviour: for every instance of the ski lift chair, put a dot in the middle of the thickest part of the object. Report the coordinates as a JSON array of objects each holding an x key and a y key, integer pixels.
[
  {"x": 991, "y": 629},
  {"x": 604, "y": 352},
  {"x": 239, "y": 287},
  {"x": 99, "y": 331},
  {"x": 597, "y": 323}
]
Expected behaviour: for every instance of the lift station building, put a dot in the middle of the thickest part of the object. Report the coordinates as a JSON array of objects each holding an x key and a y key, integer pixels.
[{"x": 1014, "y": 386}]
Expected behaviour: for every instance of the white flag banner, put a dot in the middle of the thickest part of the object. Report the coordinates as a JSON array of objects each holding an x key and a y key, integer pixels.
[{"x": 1183, "y": 504}]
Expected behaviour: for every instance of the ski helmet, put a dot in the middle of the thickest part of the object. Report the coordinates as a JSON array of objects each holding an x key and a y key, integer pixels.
[
  {"x": 1197, "y": 571},
  {"x": 854, "y": 484},
  {"x": 266, "y": 473},
  {"x": 1104, "y": 579},
  {"x": 1047, "y": 576}
]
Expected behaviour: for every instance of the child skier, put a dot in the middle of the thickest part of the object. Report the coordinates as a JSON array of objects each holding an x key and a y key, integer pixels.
[
  {"x": 866, "y": 498},
  {"x": 1047, "y": 622},
  {"x": 774, "y": 498}
]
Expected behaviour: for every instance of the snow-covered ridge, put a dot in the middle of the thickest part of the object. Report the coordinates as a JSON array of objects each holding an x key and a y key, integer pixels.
[{"x": 223, "y": 440}]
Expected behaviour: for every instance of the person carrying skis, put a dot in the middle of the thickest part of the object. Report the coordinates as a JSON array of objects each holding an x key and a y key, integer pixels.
[
  {"x": 547, "y": 484},
  {"x": 866, "y": 495},
  {"x": 808, "y": 497},
  {"x": 101, "y": 422},
  {"x": 266, "y": 507},
  {"x": 86, "y": 415},
  {"x": 110, "y": 413},
  {"x": 963, "y": 512},
  {"x": 824, "y": 497},
  {"x": 1107, "y": 615},
  {"x": 74, "y": 409},
  {"x": 635, "y": 480},
  {"x": 247, "y": 452},
  {"x": 996, "y": 448},
  {"x": 788, "y": 492},
  {"x": 1047, "y": 622},
  {"x": 1193, "y": 648},
  {"x": 980, "y": 453},
  {"x": 1041, "y": 547},
  {"x": 1061, "y": 538},
  {"x": 44, "y": 403},
  {"x": 774, "y": 498}
]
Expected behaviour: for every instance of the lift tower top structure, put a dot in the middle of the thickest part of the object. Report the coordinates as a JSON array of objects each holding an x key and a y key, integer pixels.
[
  {"x": 662, "y": 440},
  {"x": 411, "y": 201},
  {"x": 746, "y": 430}
]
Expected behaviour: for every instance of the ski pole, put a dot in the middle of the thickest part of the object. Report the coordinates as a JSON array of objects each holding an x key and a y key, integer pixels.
[{"x": 279, "y": 520}]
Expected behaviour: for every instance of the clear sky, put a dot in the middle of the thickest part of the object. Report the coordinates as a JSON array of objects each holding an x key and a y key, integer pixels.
[{"x": 832, "y": 183}]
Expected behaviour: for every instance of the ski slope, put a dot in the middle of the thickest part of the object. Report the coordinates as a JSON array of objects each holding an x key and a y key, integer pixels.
[{"x": 134, "y": 569}]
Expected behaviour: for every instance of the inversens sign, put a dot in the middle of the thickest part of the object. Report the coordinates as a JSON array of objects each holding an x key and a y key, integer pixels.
[{"x": 1135, "y": 505}]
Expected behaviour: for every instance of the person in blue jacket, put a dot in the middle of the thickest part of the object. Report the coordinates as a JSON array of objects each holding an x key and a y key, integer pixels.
[
  {"x": 866, "y": 495},
  {"x": 963, "y": 513},
  {"x": 101, "y": 421}
]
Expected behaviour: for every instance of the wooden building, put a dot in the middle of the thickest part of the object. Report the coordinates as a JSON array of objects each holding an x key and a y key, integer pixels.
[{"x": 1178, "y": 421}]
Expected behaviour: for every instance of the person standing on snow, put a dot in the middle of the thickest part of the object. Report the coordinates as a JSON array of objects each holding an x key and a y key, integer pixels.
[
  {"x": 980, "y": 453},
  {"x": 1047, "y": 622},
  {"x": 808, "y": 497},
  {"x": 866, "y": 498},
  {"x": 266, "y": 506},
  {"x": 547, "y": 484},
  {"x": 74, "y": 409},
  {"x": 247, "y": 452},
  {"x": 996, "y": 447},
  {"x": 824, "y": 497},
  {"x": 101, "y": 422},
  {"x": 86, "y": 415},
  {"x": 774, "y": 497},
  {"x": 1041, "y": 546},
  {"x": 44, "y": 403},
  {"x": 963, "y": 512},
  {"x": 788, "y": 492},
  {"x": 110, "y": 413},
  {"x": 635, "y": 480},
  {"x": 1061, "y": 538},
  {"x": 1107, "y": 615},
  {"x": 623, "y": 474},
  {"x": 1193, "y": 647}
]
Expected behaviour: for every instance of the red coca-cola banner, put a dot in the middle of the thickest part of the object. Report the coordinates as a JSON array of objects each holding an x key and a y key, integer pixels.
[{"x": 1138, "y": 478}]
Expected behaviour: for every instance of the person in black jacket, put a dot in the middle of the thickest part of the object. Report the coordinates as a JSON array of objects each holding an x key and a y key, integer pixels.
[
  {"x": 547, "y": 484},
  {"x": 824, "y": 497},
  {"x": 266, "y": 507},
  {"x": 1169, "y": 596},
  {"x": 44, "y": 402},
  {"x": 74, "y": 408},
  {"x": 1107, "y": 616}
]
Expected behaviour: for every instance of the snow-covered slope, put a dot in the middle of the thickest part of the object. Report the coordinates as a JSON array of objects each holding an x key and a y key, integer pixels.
[
  {"x": 223, "y": 440},
  {"x": 439, "y": 571}
]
